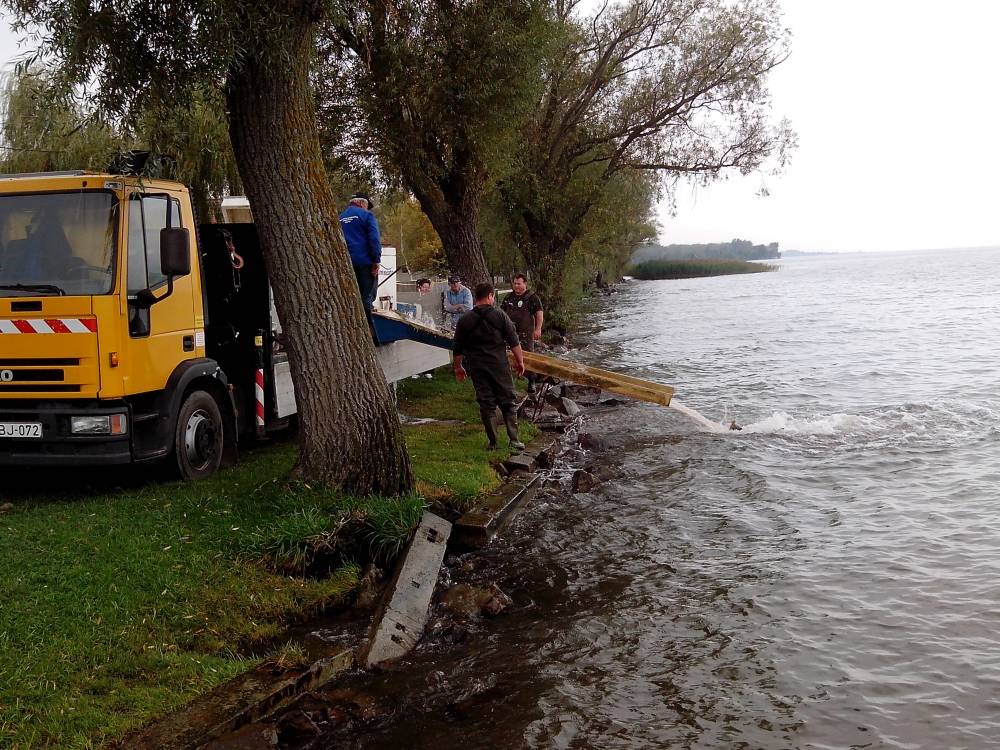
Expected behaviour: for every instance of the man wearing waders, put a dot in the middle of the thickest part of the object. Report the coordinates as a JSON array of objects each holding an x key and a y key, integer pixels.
[{"x": 481, "y": 340}]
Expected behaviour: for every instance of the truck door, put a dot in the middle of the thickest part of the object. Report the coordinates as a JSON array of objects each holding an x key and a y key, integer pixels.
[{"x": 161, "y": 336}]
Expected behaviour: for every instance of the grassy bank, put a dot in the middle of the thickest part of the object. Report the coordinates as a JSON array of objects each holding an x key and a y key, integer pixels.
[
  {"x": 448, "y": 459},
  {"x": 690, "y": 269},
  {"x": 120, "y": 600}
]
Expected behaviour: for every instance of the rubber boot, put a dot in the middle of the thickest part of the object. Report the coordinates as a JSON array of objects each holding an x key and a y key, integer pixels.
[
  {"x": 488, "y": 415},
  {"x": 510, "y": 420}
]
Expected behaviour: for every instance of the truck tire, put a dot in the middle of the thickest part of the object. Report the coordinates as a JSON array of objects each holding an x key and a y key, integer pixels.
[{"x": 198, "y": 437}]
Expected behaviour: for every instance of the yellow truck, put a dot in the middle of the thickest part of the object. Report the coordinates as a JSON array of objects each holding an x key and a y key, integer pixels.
[{"x": 127, "y": 332}]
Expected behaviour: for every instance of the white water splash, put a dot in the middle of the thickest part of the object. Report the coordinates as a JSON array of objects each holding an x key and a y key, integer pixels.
[
  {"x": 906, "y": 422},
  {"x": 833, "y": 424},
  {"x": 780, "y": 422}
]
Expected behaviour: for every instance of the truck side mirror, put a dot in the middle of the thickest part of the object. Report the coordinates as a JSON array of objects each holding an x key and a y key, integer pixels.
[
  {"x": 175, "y": 251},
  {"x": 175, "y": 260}
]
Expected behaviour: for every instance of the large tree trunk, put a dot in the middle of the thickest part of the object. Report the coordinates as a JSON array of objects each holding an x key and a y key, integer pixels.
[
  {"x": 350, "y": 433},
  {"x": 456, "y": 220}
]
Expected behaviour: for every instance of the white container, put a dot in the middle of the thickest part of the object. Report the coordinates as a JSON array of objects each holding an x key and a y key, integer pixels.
[{"x": 385, "y": 296}]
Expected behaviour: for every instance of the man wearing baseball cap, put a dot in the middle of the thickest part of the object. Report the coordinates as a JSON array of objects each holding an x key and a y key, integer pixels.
[
  {"x": 457, "y": 300},
  {"x": 364, "y": 243}
]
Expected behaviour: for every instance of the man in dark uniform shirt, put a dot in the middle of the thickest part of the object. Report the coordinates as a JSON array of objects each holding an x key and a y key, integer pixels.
[
  {"x": 525, "y": 309},
  {"x": 481, "y": 340}
]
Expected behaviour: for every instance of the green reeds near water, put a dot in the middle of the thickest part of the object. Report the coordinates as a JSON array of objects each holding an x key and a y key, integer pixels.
[{"x": 690, "y": 269}]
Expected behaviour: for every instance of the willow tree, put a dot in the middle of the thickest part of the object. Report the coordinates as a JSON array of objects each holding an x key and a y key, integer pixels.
[
  {"x": 619, "y": 221},
  {"x": 669, "y": 87},
  {"x": 132, "y": 53},
  {"x": 196, "y": 137},
  {"x": 44, "y": 127},
  {"x": 442, "y": 89},
  {"x": 44, "y": 130}
]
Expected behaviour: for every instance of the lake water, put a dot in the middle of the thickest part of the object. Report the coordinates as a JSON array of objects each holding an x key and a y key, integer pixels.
[{"x": 827, "y": 578}]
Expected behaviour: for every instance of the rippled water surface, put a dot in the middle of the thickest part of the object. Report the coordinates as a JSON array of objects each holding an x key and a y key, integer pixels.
[{"x": 827, "y": 578}]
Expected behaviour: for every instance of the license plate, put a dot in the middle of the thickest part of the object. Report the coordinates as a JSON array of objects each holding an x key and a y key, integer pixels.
[{"x": 20, "y": 429}]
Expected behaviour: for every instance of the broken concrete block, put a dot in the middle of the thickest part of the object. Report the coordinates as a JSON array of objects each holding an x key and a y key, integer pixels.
[
  {"x": 520, "y": 462},
  {"x": 398, "y": 627}
]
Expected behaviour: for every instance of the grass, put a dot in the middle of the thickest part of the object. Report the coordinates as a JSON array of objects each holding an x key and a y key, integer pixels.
[
  {"x": 121, "y": 599},
  {"x": 690, "y": 269},
  {"x": 450, "y": 462}
]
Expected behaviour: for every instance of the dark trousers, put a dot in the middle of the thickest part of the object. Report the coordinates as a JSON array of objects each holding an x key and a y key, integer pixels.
[
  {"x": 528, "y": 345},
  {"x": 494, "y": 386},
  {"x": 368, "y": 286}
]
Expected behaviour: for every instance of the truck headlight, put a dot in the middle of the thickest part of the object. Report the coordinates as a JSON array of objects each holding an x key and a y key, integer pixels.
[{"x": 108, "y": 424}]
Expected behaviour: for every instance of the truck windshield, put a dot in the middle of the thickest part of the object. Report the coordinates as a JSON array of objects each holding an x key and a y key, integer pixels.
[{"x": 58, "y": 243}]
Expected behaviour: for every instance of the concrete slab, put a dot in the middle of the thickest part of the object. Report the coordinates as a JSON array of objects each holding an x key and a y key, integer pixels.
[
  {"x": 240, "y": 701},
  {"x": 399, "y": 623},
  {"x": 477, "y": 527},
  {"x": 520, "y": 462}
]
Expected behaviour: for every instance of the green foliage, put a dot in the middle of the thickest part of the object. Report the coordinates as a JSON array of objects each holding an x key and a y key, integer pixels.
[
  {"x": 45, "y": 130},
  {"x": 297, "y": 543},
  {"x": 196, "y": 137},
  {"x": 442, "y": 87},
  {"x": 503, "y": 256},
  {"x": 133, "y": 54},
  {"x": 406, "y": 226},
  {"x": 665, "y": 88},
  {"x": 689, "y": 269},
  {"x": 737, "y": 249},
  {"x": 289, "y": 544},
  {"x": 389, "y": 523},
  {"x": 291, "y": 655}
]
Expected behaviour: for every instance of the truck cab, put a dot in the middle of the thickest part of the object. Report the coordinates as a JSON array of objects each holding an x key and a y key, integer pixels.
[{"x": 102, "y": 326}]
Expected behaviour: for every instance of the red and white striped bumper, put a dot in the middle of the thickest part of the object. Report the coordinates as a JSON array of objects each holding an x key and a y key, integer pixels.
[{"x": 48, "y": 325}]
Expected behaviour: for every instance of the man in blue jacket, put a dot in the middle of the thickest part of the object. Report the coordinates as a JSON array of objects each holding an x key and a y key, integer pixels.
[{"x": 360, "y": 229}]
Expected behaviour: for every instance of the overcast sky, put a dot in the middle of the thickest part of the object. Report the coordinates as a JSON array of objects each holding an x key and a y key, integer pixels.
[
  {"x": 897, "y": 111},
  {"x": 897, "y": 108}
]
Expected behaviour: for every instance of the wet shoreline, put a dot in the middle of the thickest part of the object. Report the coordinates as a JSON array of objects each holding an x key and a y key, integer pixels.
[{"x": 471, "y": 599}]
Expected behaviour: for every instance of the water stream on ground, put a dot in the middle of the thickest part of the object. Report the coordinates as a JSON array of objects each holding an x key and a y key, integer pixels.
[{"x": 824, "y": 578}]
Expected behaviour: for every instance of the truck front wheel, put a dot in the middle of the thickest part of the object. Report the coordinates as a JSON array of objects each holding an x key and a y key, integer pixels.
[{"x": 198, "y": 439}]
